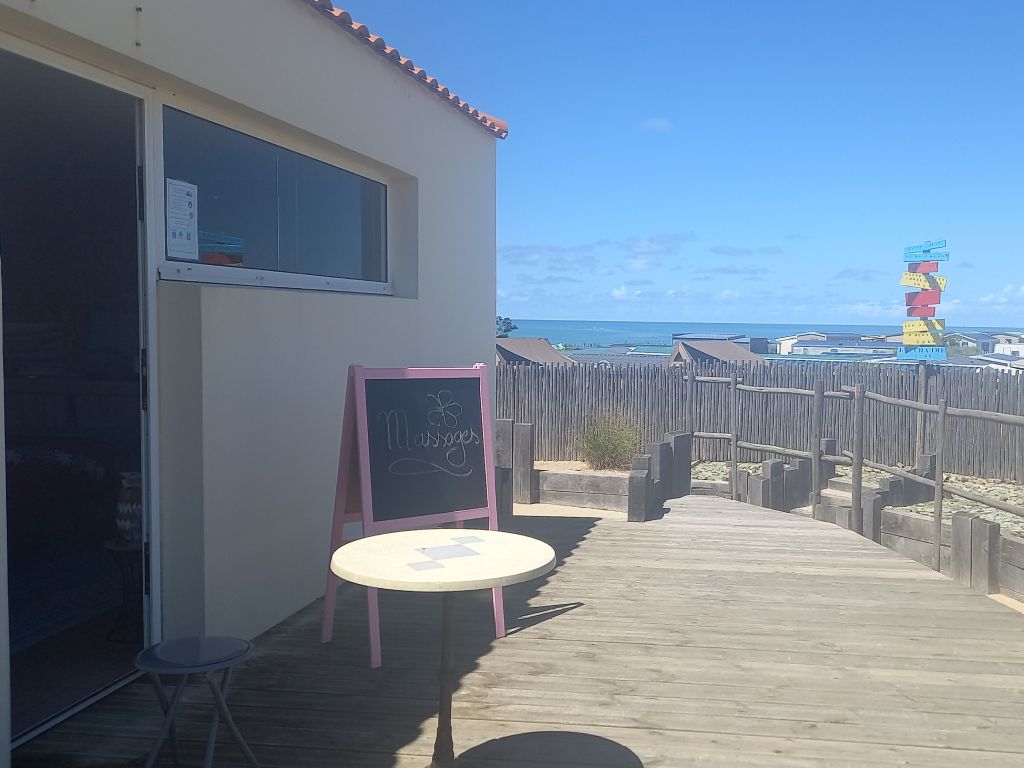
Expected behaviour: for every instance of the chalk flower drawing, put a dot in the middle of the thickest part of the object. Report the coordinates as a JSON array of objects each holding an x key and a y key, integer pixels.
[
  {"x": 446, "y": 413},
  {"x": 442, "y": 433}
]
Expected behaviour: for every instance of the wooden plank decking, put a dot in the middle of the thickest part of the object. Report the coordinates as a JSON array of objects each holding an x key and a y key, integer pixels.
[{"x": 719, "y": 635}]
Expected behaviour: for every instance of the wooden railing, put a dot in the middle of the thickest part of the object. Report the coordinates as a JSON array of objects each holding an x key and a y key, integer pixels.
[{"x": 854, "y": 458}]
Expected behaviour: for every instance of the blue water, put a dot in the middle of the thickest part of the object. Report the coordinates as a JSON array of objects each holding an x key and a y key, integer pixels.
[{"x": 604, "y": 332}]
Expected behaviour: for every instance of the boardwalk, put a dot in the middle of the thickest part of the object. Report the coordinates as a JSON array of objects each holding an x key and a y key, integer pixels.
[{"x": 719, "y": 635}]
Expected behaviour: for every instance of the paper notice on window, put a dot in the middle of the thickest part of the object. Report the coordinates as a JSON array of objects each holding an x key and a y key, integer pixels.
[{"x": 182, "y": 215}]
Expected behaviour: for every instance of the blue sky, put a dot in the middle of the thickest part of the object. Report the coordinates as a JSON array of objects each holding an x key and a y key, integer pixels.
[{"x": 745, "y": 160}]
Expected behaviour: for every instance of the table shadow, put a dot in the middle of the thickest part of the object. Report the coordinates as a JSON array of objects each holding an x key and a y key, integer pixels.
[
  {"x": 558, "y": 749},
  {"x": 537, "y": 614}
]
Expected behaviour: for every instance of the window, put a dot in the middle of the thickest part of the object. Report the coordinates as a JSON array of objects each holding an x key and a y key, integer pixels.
[{"x": 261, "y": 207}]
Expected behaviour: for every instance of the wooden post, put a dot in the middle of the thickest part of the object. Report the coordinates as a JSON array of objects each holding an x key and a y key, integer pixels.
[
  {"x": 873, "y": 517},
  {"x": 639, "y": 489},
  {"x": 940, "y": 445},
  {"x": 817, "y": 416},
  {"x": 960, "y": 548},
  {"x": 985, "y": 556},
  {"x": 922, "y": 397},
  {"x": 773, "y": 470},
  {"x": 734, "y": 449},
  {"x": 682, "y": 453},
  {"x": 691, "y": 401},
  {"x": 661, "y": 470},
  {"x": 503, "y": 467},
  {"x": 758, "y": 491},
  {"x": 522, "y": 464},
  {"x": 857, "y": 481}
]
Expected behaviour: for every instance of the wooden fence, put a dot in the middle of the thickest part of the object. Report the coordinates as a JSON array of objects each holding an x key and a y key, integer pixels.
[{"x": 560, "y": 400}]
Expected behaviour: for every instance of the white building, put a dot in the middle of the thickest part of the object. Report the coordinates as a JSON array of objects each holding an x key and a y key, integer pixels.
[
  {"x": 211, "y": 209},
  {"x": 1015, "y": 349}
]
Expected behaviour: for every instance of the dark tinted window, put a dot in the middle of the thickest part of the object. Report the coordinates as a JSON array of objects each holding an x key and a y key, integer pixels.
[{"x": 264, "y": 207}]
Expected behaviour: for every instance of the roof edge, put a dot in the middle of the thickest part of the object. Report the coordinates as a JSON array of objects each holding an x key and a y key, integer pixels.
[{"x": 343, "y": 19}]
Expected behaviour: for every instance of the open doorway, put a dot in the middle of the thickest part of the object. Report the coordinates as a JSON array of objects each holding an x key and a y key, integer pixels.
[{"x": 70, "y": 258}]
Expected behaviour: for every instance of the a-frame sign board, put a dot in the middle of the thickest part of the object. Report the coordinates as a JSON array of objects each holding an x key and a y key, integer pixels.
[{"x": 416, "y": 451}]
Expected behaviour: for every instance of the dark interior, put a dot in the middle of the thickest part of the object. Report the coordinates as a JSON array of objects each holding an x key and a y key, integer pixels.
[{"x": 70, "y": 259}]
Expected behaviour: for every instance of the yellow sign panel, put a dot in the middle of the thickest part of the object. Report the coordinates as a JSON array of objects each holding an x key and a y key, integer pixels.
[
  {"x": 927, "y": 282},
  {"x": 923, "y": 339},
  {"x": 923, "y": 326}
]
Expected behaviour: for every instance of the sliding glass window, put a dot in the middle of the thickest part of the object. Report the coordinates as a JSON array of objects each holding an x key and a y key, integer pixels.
[{"x": 241, "y": 202}]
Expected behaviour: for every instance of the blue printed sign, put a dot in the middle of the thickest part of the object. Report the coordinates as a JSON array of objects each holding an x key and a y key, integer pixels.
[
  {"x": 927, "y": 354},
  {"x": 927, "y": 256},
  {"x": 922, "y": 247}
]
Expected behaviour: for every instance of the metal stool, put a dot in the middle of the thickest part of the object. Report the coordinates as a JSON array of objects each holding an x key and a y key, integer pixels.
[{"x": 194, "y": 656}]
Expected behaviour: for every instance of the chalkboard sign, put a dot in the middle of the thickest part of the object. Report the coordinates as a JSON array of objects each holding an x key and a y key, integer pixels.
[
  {"x": 425, "y": 446},
  {"x": 415, "y": 452}
]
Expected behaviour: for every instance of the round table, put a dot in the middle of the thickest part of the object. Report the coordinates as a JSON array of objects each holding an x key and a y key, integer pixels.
[{"x": 446, "y": 560}]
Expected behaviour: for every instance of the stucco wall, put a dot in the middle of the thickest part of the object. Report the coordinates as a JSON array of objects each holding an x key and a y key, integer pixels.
[{"x": 245, "y": 504}]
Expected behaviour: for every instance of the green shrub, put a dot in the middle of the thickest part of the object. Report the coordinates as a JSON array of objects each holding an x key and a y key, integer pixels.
[{"x": 609, "y": 443}]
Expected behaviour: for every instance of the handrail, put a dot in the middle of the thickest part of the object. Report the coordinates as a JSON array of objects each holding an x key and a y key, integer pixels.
[
  {"x": 968, "y": 413},
  {"x": 841, "y": 460},
  {"x": 927, "y": 407},
  {"x": 774, "y": 449},
  {"x": 994, "y": 416},
  {"x": 713, "y": 435},
  {"x": 713, "y": 379},
  {"x": 899, "y": 472},
  {"x": 955, "y": 490},
  {"x": 792, "y": 391}
]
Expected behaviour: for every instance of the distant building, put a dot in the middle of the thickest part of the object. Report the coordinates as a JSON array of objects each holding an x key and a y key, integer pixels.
[
  {"x": 529, "y": 351},
  {"x": 756, "y": 344},
  {"x": 1009, "y": 337},
  {"x": 786, "y": 343},
  {"x": 1002, "y": 362},
  {"x": 1016, "y": 350},
  {"x": 983, "y": 342},
  {"x": 856, "y": 346},
  {"x": 710, "y": 351}
]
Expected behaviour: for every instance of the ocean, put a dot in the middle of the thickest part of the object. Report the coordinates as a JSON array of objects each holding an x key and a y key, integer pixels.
[{"x": 605, "y": 332}]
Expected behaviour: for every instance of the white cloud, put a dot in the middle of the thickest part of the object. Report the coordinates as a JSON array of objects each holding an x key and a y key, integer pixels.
[
  {"x": 658, "y": 125},
  {"x": 638, "y": 262},
  {"x": 620, "y": 293}
]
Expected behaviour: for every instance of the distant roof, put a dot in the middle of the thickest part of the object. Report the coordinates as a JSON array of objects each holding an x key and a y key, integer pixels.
[
  {"x": 528, "y": 351},
  {"x": 493, "y": 125},
  {"x": 972, "y": 336},
  {"x": 836, "y": 336},
  {"x": 617, "y": 358},
  {"x": 701, "y": 351},
  {"x": 710, "y": 337},
  {"x": 999, "y": 357},
  {"x": 855, "y": 342},
  {"x": 798, "y": 335}
]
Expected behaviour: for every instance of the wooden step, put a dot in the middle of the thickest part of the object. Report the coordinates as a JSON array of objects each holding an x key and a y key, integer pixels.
[{"x": 846, "y": 484}]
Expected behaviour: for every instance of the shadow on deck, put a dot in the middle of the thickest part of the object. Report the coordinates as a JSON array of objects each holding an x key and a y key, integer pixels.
[{"x": 719, "y": 635}]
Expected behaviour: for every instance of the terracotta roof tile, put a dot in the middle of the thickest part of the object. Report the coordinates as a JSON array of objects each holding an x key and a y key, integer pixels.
[{"x": 493, "y": 125}]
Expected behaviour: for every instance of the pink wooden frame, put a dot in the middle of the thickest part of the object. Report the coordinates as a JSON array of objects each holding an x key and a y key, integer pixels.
[{"x": 355, "y": 434}]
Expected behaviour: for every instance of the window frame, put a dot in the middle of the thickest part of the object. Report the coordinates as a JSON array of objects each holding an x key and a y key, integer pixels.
[{"x": 216, "y": 274}]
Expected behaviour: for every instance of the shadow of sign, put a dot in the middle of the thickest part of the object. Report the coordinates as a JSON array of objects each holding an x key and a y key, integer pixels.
[
  {"x": 550, "y": 748},
  {"x": 536, "y": 614}
]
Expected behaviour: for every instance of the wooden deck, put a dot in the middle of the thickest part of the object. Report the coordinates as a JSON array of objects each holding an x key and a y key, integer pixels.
[{"x": 719, "y": 635}]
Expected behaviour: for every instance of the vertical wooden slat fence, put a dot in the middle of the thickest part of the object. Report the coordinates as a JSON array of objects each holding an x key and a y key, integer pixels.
[{"x": 561, "y": 400}]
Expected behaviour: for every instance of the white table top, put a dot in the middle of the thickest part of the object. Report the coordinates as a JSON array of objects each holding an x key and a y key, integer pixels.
[{"x": 442, "y": 560}]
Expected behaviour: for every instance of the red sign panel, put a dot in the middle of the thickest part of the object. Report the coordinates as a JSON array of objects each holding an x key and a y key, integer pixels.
[
  {"x": 923, "y": 298},
  {"x": 920, "y": 311},
  {"x": 923, "y": 266}
]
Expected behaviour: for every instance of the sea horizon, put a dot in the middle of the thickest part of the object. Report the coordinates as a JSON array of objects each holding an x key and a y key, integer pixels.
[{"x": 607, "y": 332}]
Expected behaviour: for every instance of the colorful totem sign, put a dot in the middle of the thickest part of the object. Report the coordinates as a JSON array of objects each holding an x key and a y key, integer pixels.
[{"x": 922, "y": 335}]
